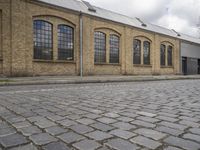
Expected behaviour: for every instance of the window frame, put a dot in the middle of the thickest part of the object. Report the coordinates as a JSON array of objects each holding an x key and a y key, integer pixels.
[
  {"x": 99, "y": 50},
  {"x": 162, "y": 55},
  {"x": 68, "y": 39},
  {"x": 170, "y": 61},
  {"x": 113, "y": 49},
  {"x": 39, "y": 37},
  {"x": 147, "y": 60},
  {"x": 137, "y": 59}
]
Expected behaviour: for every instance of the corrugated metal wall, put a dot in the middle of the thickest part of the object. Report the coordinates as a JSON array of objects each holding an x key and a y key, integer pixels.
[
  {"x": 192, "y": 66},
  {"x": 190, "y": 50}
]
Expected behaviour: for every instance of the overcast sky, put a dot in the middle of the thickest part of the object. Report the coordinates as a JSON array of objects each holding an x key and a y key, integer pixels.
[{"x": 181, "y": 15}]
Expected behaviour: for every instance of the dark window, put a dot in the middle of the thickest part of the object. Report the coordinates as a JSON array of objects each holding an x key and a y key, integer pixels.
[
  {"x": 43, "y": 45},
  {"x": 137, "y": 52},
  {"x": 114, "y": 49},
  {"x": 146, "y": 46},
  {"x": 198, "y": 66},
  {"x": 65, "y": 42},
  {"x": 184, "y": 65},
  {"x": 162, "y": 55},
  {"x": 100, "y": 47},
  {"x": 169, "y": 51}
]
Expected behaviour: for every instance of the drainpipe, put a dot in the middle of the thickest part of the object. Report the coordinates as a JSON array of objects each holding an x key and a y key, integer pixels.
[{"x": 81, "y": 45}]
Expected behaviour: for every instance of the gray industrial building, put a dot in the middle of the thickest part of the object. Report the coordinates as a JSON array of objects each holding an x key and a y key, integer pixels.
[{"x": 190, "y": 57}]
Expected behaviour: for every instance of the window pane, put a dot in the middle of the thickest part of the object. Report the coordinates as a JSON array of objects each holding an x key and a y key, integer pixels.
[
  {"x": 100, "y": 47},
  {"x": 43, "y": 45},
  {"x": 137, "y": 52},
  {"x": 146, "y": 53},
  {"x": 169, "y": 55},
  {"x": 114, "y": 49},
  {"x": 65, "y": 42},
  {"x": 162, "y": 55}
]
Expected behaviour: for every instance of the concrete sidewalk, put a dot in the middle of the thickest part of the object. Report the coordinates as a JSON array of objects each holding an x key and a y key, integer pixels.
[{"x": 88, "y": 79}]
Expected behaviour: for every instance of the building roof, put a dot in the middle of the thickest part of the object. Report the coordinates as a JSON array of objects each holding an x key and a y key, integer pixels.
[{"x": 82, "y": 6}]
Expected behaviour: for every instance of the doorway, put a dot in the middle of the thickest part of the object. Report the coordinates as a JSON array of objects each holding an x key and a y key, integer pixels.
[{"x": 184, "y": 65}]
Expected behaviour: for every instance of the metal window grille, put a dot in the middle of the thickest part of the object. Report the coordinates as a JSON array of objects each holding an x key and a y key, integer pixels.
[
  {"x": 65, "y": 42},
  {"x": 100, "y": 47},
  {"x": 162, "y": 55},
  {"x": 43, "y": 41},
  {"x": 137, "y": 52},
  {"x": 146, "y": 54},
  {"x": 114, "y": 49},
  {"x": 169, "y": 51}
]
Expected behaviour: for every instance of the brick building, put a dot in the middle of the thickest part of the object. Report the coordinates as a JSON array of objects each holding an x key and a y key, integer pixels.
[{"x": 69, "y": 37}]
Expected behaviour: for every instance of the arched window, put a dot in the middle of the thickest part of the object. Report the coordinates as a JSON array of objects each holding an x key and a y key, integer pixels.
[
  {"x": 137, "y": 52},
  {"x": 65, "y": 42},
  {"x": 146, "y": 53},
  {"x": 100, "y": 47},
  {"x": 43, "y": 41},
  {"x": 162, "y": 54},
  {"x": 169, "y": 57},
  {"x": 114, "y": 49}
]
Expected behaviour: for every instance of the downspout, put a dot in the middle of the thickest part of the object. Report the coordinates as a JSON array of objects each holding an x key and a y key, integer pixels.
[{"x": 81, "y": 45}]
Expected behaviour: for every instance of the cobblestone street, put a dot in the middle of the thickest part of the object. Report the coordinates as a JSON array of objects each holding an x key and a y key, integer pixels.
[{"x": 161, "y": 115}]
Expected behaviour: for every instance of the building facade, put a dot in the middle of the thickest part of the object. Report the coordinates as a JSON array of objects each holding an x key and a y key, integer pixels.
[{"x": 42, "y": 37}]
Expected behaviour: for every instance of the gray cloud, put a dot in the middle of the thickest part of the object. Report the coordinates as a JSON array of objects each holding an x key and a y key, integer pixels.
[{"x": 181, "y": 15}]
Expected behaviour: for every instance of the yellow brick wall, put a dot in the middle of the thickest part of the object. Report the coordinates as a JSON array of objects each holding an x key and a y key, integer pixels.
[
  {"x": 131, "y": 68},
  {"x": 175, "y": 69},
  {"x": 54, "y": 67},
  {"x": 127, "y": 35},
  {"x": 18, "y": 34},
  {"x": 18, "y": 56},
  {"x": 94, "y": 24}
]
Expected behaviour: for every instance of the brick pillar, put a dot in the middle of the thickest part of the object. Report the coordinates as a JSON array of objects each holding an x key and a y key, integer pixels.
[
  {"x": 156, "y": 55},
  {"x": 6, "y": 37},
  {"x": 18, "y": 35}
]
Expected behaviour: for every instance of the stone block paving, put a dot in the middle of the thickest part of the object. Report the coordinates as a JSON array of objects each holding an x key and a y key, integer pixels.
[{"x": 161, "y": 115}]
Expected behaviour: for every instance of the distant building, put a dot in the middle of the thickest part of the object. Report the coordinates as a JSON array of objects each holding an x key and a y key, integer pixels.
[{"x": 69, "y": 37}]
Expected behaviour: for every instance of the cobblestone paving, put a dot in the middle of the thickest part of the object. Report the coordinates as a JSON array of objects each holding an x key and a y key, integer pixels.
[{"x": 162, "y": 115}]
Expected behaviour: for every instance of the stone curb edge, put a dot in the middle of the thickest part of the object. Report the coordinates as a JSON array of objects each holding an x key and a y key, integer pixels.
[{"x": 15, "y": 83}]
